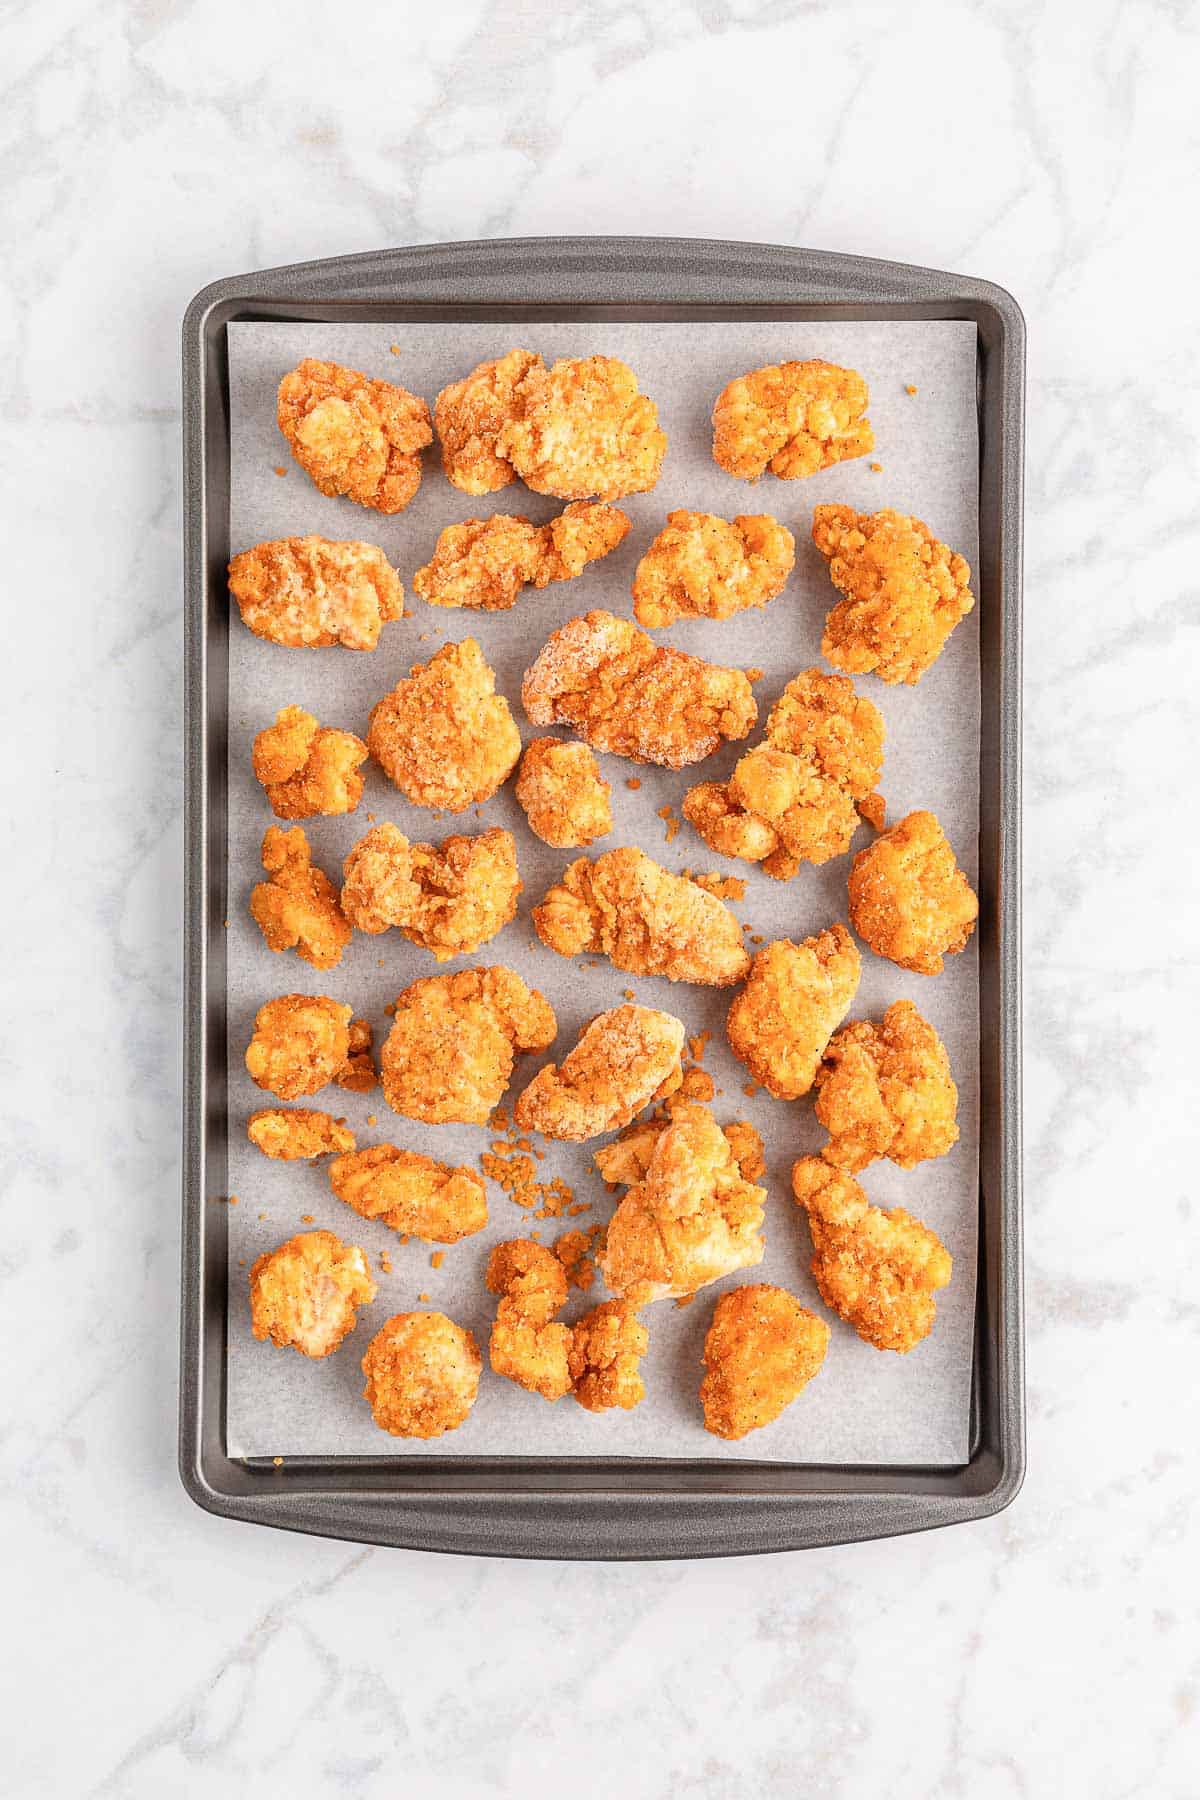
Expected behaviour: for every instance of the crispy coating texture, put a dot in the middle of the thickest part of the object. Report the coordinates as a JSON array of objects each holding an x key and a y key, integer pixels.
[
  {"x": 747, "y": 1147},
  {"x": 628, "y": 1157},
  {"x": 909, "y": 900},
  {"x": 607, "y": 1344},
  {"x": 886, "y": 1090},
  {"x": 357, "y": 1074},
  {"x": 352, "y": 435},
  {"x": 306, "y": 768},
  {"x": 444, "y": 735},
  {"x": 702, "y": 567},
  {"x": 468, "y": 417},
  {"x": 422, "y": 1375},
  {"x": 690, "y": 1219},
  {"x": 582, "y": 429},
  {"x": 484, "y": 563},
  {"x": 312, "y": 592},
  {"x": 411, "y": 1193},
  {"x": 449, "y": 1054},
  {"x": 297, "y": 908},
  {"x": 563, "y": 794},
  {"x": 644, "y": 919},
  {"x": 797, "y": 995},
  {"x": 624, "y": 1059},
  {"x": 304, "y": 1295},
  {"x": 904, "y": 592},
  {"x": 796, "y": 797},
  {"x": 300, "y": 1043},
  {"x": 621, "y": 692},
  {"x": 292, "y": 1134},
  {"x": 527, "y": 1346},
  {"x": 449, "y": 898},
  {"x": 762, "y": 1349},
  {"x": 793, "y": 418},
  {"x": 877, "y": 1270}
]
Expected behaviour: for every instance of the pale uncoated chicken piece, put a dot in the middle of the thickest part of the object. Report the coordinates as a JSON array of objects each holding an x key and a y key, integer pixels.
[
  {"x": 581, "y": 429},
  {"x": 886, "y": 1090},
  {"x": 562, "y": 793},
  {"x": 297, "y": 906},
  {"x": 449, "y": 898},
  {"x": 353, "y": 435},
  {"x": 624, "y": 1059},
  {"x": 308, "y": 769},
  {"x": 793, "y": 418},
  {"x": 762, "y": 1350},
  {"x": 444, "y": 735},
  {"x": 313, "y": 592},
  {"x": 794, "y": 1000},
  {"x": 297, "y": 1133},
  {"x": 411, "y": 1193},
  {"x": 485, "y": 563},
  {"x": 904, "y": 592},
  {"x": 300, "y": 1043},
  {"x": 304, "y": 1295},
  {"x": 422, "y": 1375},
  {"x": 449, "y": 1054},
  {"x": 909, "y": 900},
  {"x": 703, "y": 567}
]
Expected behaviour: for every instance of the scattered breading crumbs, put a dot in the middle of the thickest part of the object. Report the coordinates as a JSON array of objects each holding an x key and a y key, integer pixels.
[
  {"x": 756, "y": 937},
  {"x": 511, "y": 1162},
  {"x": 306, "y": 1218},
  {"x": 385, "y": 1262},
  {"x": 909, "y": 388},
  {"x": 755, "y": 674},
  {"x": 872, "y": 808},
  {"x": 698, "y": 1045},
  {"x": 395, "y": 349},
  {"x": 725, "y": 887},
  {"x": 875, "y": 468},
  {"x": 574, "y": 1251},
  {"x": 697, "y": 1084},
  {"x": 437, "y": 1259},
  {"x": 281, "y": 471},
  {"x": 424, "y": 1298},
  {"x": 667, "y": 814},
  {"x": 750, "y": 1089},
  {"x": 633, "y": 782},
  {"x": 371, "y": 1119}
]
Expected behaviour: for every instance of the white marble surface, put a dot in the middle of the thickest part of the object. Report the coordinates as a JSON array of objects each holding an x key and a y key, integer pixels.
[{"x": 150, "y": 1649}]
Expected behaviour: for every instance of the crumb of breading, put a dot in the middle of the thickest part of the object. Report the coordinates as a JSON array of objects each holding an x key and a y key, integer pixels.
[
  {"x": 796, "y": 996},
  {"x": 886, "y": 1090},
  {"x": 563, "y": 794},
  {"x": 667, "y": 815},
  {"x": 513, "y": 1166},
  {"x": 297, "y": 907},
  {"x": 909, "y": 900},
  {"x": 747, "y": 1148},
  {"x": 411, "y": 1193},
  {"x": 449, "y": 898},
  {"x": 468, "y": 417},
  {"x": 449, "y": 1054},
  {"x": 444, "y": 735},
  {"x": 697, "y": 1084},
  {"x": 299, "y": 1044},
  {"x": 723, "y": 887},
  {"x": 574, "y": 1251},
  {"x": 904, "y": 592},
  {"x": 607, "y": 1344},
  {"x": 352, "y": 435},
  {"x": 437, "y": 1259},
  {"x": 873, "y": 808},
  {"x": 422, "y": 1375},
  {"x": 581, "y": 429},
  {"x": 290, "y": 1134},
  {"x": 311, "y": 592},
  {"x": 761, "y": 1350},
  {"x": 527, "y": 1345},
  {"x": 304, "y": 1295},
  {"x": 306, "y": 768},
  {"x": 357, "y": 1074},
  {"x": 279, "y": 470},
  {"x": 633, "y": 783},
  {"x": 703, "y": 567},
  {"x": 624, "y": 1059},
  {"x": 909, "y": 388},
  {"x": 792, "y": 418},
  {"x": 484, "y": 563}
]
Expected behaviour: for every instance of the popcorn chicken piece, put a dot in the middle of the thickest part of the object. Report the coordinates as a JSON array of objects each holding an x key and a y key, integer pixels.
[
  {"x": 702, "y": 567},
  {"x": 444, "y": 735},
  {"x": 582, "y": 429},
  {"x": 357, "y": 1074},
  {"x": 352, "y": 435},
  {"x": 606, "y": 1347},
  {"x": 797, "y": 994},
  {"x": 297, "y": 906},
  {"x": 449, "y": 1054},
  {"x": 526, "y": 1345},
  {"x": 904, "y": 592},
  {"x": 299, "y": 1044},
  {"x": 308, "y": 769},
  {"x": 644, "y": 919},
  {"x": 468, "y": 417},
  {"x": 563, "y": 794},
  {"x": 297, "y": 1133},
  {"x": 792, "y": 418},
  {"x": 624, "y": 1059},
  {"x": 484, "y": 563},
  {"x": 628, "y": 1157},
  {"x": 411, "y": 1193},
  {"x": 304, "y": 1295},
  {"x": 449, "y": 898},
  {"x": 762, "y": 1350},
  {"x": 909, "y": 900},
  {"x": 312, "y": 592},
  {"x": 877, "y": 1270},
  {"x": 422, "y": 1375},
  {"x": 621, "y": 692},
  {"x": 886, "y": 1090}
]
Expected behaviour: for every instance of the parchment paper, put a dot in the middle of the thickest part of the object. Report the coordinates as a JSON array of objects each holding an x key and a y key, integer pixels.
[{"x": 864, "y": 1406}]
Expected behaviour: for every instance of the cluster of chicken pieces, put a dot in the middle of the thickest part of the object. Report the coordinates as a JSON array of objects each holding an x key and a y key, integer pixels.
[{"x": 692, "y": 1209}]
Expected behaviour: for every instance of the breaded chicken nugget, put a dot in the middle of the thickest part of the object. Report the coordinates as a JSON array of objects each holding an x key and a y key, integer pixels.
[
  {"x": 644, "y": 919},
  {"x": 304, "y": 1296},
  {"x": 291, "y": 1134},
  {"x": 468, "y": 417},
  {"x": 450, "y": 897},
  {"x": 563, "y": 794},
  {"x": 624, "y": 1059},
  {"x": 622, "y": 692},
  {"x": 582, "y": 429},
  {"x": 484, "y": 563},
  {"x": 308, "y": 769},
  {"x": 422, "y": 1375},
  {"x": 792, "y": 418},
  {"x": 297, "y": 906},
  {"x": 762, "y": 1349},
  {"x": 300, "y": 1043},
  {"x": 607, "y": 1345},
  {"x": 905, "y": 592},
  {"x": 886, "y": 1090},
  {"x": 877, "y": 1270},
  {"x": 444, "y": 735},
  {"x": 353, "y": 435},
  {"x": 411, "y": 1193},
  {"x": 449, "y": 1053},
  {"x": 311, "y": 592},
  {"x": 909, "y": 900},
  {"x": 357, "y": 1074},
  {"x": 526, "y": 1344},
  {"x": 628, "y": 1157},
  {"x": 797, "y": 994},
  {"x": 702, "y": 567}
]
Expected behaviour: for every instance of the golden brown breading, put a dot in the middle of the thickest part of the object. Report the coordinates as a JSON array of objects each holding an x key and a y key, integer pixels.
[
  {"x": 624, "y": 1059},
  {"x": 797, "y": 994},
  {"x": 877, "y": 1270},
  {"x": 305, "y": 1294},
  {"x": 702, "y": 567},
  {"x": 297, "y": 906},
  {"x": 747, "y": 1147},
  {"x": 621, "y": 692},
  {"x": 444, "y": 735},
  {"x": 422, "y": 1375},
  {"x": 644, "y": 919},
  {"x": 909, "y": 900},
  {"x": 484, "y": 563},
  {"x": 353, "y": 435},
  {"x": 526, "y": 1345},
  {"x": 563, "y": 794},
  {"x": 468, "y": 417},
  {"x": 450, "y": 897},
  {"x": 606, "y": 1347},
  {"x": 411, "y": 1193},
  {"x": 449, "y": 1053},
  {"x": 311, "y": 592},
  {"x": 905, "y": 592},
  {"x": 795, "y": 797},
  {"x": 792, "y": 418},
  {"x": 886, "y": 1090},
  {"x": 689, "y": 1220},
  {"x": 582, "y": 429},
  {"x": 357, "y": 1074},
  {"x": 762, "y": 1349},
  {"x": 291, "y": 1134},
  {"x": 308, "y": 769},
  {"x": 300, "y": 1043}
]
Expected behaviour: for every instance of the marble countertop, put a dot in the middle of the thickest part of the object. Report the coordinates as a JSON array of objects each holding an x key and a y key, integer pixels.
[{"x": 155, "y": 1650}]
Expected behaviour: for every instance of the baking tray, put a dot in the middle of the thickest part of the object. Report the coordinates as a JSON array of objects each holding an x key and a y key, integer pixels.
[{"x": 601, "y": 1507}]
